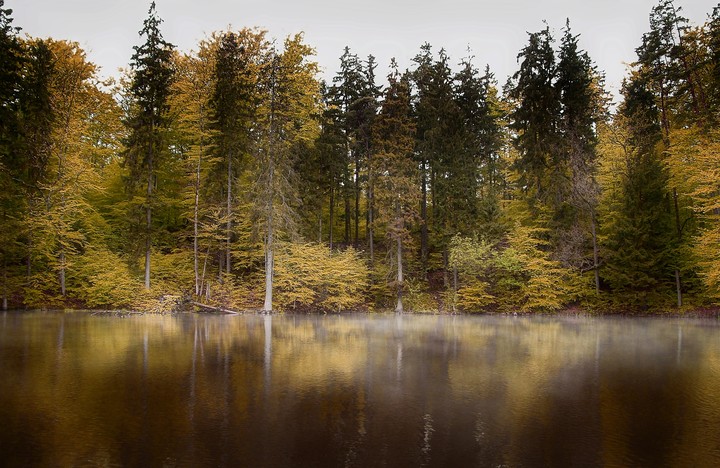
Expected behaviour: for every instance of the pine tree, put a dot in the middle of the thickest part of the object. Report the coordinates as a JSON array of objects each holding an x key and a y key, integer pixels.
[
  {"x": 535, "y": 122},
  {"x": 234, "y": 104},
  {"x": 483, "y": 141},
  {"x": 146, "y": 145},
  {"x": 12, "y": 58},
  {"x": 637, "y": 221},
  {"x": 346, "y": 93},
  {"x": 451, "y": 169},
  {"x": 421, "y": 77},
  {"x": 397, "y": 190},
  {"x": 581, "y": 100},
  {"x": 665, "y": 65},
  {"x": 322, "y": 171},
  {"x": 366, "y": 109}
]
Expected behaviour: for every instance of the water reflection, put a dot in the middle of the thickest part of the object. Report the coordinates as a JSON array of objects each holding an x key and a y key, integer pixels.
[{"x": 357, "y": 390}]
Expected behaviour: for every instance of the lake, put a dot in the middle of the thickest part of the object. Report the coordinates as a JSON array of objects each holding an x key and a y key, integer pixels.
[{"x": 78, "y": 389}]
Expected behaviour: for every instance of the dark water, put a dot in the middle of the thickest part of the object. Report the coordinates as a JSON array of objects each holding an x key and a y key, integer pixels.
[{"x": 82, "y": 390}]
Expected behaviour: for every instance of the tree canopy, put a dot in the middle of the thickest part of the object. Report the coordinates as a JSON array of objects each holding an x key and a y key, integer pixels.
[{"x": 253, "y": 184}]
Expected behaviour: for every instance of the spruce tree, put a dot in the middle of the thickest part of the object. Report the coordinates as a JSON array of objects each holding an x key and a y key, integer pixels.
[
  {"x": 638, "y": 222},
  {"x": 535, "y": 121},
  {"x": 482, "y": 143},
  {"x": 12, "y": 58},
  {"x": 396, "y": 190},
  {"x": 234, "y": 102},
  {"x": 323, "y": 172},
  {"x": 447, "y": 174},
  {"x": 367, "y": 108},
  {"x": 346, "y": 93},
  {"x": 423, "y": 123},
  {"x": 581, "y": 100},
  {"x": 146, "y": 145}
]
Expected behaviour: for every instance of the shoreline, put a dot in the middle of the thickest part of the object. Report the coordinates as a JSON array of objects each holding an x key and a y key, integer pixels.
[{"x": 696, "y": 313}]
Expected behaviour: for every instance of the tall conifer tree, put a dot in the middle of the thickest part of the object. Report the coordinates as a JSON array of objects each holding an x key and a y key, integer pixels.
[
  {"x": 397, "y": 190},
  {"x": 535, "y": 119},
  {"x": 146, "y": 145},
  {"x": 234, "y": 102},
  {"x": 581, "y": 99}
]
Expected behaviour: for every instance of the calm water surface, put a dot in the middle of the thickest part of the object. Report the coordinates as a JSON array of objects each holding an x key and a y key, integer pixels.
[{"x": 357, "y": 390}]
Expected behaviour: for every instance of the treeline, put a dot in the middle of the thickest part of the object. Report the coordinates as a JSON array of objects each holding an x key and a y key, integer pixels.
[{"x": 233, "y": 176}]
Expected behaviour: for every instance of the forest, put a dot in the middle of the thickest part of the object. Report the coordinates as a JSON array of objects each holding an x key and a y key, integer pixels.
[{"x": 233, "y": 176}]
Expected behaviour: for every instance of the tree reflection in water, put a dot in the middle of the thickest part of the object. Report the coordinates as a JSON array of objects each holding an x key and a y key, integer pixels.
[{"x": 357, "y": 390}]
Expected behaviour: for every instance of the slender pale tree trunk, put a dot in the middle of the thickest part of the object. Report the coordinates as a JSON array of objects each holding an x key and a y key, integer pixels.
[
  {"x": 455, "y": 288},
  {"x": 269, "y": 267},
  {"x": 204, "y": 270},
  {"x": 148, "y": 220},
  {"x": 229, "y": 215},
  {"x": 346, "y": 199},
  {"x": 332, "y": 214},
  {"x": 63, "y": 205},
  {"x": 423, "y": 220},
  {"x": 357, "y": 198},
  {"x": 62, "y": 272},
  {"x": 269, "y": 241},
  {"x": 371, "y": 228},
  {"x": 196, "y": 210},
  {"x": 596, "y": 267},
  {"x": 446, "y": 269},
  {"x": 370, "y": 212},
  {"x": 399, "y": 307}
]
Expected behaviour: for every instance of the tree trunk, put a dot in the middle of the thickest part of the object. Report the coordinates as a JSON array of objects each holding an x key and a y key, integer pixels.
[
  {"x": 399, "y": 307},
  {"x": 595, "y": 252},
  {"x": 269, "y": 241},
  {"x": 320, "y": 225},
  {"x": 148, "y": 220},
  {"x": 423, "y": 220},
  {"x": 269, "y": 267},
  {"x": 348, "y": 214},
  {"x": 202, "y": 278},
  {"x": 62, "y": 273},
  {"x": 678, "y": 227},
  {"x": 371, "y": 228},
  {"x": 446, "y": 269},
  {"x": 196, "y": 210},
  {"x": 5, "y": 291},
  {"x": 28, "y": 266},
  {"x": 228, "y": 264},
  {"x": 370, "y": 213},
  {"x": 332, "y": 214},
  {"x": 455, "y": 289},
  {"x": 357, "y": 198}
]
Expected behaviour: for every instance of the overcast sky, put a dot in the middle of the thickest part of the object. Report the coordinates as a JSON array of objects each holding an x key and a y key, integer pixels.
[{"x": 494, "y": 30}]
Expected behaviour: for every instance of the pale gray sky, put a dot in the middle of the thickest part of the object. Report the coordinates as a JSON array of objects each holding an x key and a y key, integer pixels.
[{"x": 494, "y": 30}]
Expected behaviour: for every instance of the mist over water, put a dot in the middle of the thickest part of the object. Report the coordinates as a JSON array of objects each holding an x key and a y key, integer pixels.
[{"x": 357, "y": 390}]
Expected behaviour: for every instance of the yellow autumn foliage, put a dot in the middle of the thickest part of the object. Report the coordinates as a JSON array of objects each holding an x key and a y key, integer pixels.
[
  {"x": 695, "y": 160},
  {"x": 312, "y": 277}
]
